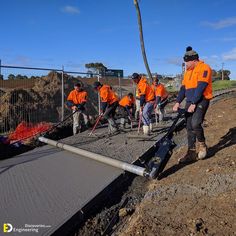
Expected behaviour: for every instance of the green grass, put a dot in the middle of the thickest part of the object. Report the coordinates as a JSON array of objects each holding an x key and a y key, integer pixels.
[
  {"x": 223, "y": 84},
  {"x": 171, "y": 89}
]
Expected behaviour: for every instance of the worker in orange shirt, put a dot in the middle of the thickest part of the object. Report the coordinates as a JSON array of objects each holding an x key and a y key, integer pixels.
[
  {"x": 76, "y": 100},
  {"x": 197, "y": 89},
  {"x": 161, "y": 96},
  {"x": 109, "y": 103},
  {"x": 147, "y": 100},
  {"x": 126, "y": 105}
]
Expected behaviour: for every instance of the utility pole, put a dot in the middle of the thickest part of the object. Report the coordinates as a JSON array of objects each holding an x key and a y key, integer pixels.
[
  {"x": 62, "y": 94},
  {"x": 142, "y": 40},
  {"x": 222, "y": 71},
  {"x": 183, "y": 70}
]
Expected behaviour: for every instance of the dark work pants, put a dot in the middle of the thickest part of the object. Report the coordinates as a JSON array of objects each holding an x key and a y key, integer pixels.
[
  {"x": 194, "y": 123},
  {"x": 111, "y": 110}
]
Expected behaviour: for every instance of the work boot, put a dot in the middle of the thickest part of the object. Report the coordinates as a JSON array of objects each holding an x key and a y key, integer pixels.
[
  {"x": 151, "y": 127},
  {"x": 122, "y": 123},
  {"x": 146, "y": 130},
  {"x": 161, "y": 117},
  {"x": 112, "y": 126},
  {"x": 190, "y": 156},
  {"x": 202, "y": 150}
]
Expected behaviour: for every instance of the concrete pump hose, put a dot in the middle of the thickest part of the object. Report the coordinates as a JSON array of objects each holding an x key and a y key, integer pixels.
[{"x": 97, "y": 157}]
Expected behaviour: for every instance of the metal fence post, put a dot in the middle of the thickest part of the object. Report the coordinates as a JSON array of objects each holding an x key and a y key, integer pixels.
[
  {"x": 120, "y": 86},
  {"x": 62, "y": 94},
  {"x": 99, "y": 102}
]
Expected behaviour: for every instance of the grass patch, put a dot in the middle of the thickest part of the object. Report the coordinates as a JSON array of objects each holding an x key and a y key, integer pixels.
[
  {"x": 171, "y": 89},
  {"x": 223, "y": 84}
]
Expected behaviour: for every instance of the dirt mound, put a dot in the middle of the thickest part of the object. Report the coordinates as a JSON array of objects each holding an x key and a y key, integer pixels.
[
  {"x": 42, "y": 102},
  {"x": 195, "y": 199}
]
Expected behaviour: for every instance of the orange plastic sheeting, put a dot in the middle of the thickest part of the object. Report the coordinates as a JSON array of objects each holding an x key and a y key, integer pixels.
[{"x": 27, "y": 130}]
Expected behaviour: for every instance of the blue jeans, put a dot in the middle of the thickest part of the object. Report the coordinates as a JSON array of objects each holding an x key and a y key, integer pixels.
[{"x": 147, "y": 113}]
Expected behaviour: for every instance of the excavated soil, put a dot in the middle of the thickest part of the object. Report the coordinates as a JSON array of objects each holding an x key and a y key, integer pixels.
[{"x": 194, "y": 199}]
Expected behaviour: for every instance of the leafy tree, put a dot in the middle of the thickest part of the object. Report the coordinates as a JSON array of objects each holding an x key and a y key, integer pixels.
[
  {"x": 18, "y": 76},
  {"x": 214, "y": 73},
  {"x": 226, "y": 74},
  {"x": 96, "y": 67},
  {"x": 11, "y": 77}
]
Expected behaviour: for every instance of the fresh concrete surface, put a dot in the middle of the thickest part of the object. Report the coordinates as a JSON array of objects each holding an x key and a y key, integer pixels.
[{"x": 48, "y": 186}]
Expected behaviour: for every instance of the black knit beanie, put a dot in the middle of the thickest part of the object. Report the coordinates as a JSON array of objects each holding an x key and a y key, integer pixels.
[{"x": 190, "y": 54}]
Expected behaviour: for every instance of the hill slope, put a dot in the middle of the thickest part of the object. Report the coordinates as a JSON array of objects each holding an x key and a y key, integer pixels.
[{"x": 195, "y": 199}]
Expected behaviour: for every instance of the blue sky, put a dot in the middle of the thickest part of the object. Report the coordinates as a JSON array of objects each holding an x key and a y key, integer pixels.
[{"x": 52, "y": 33}]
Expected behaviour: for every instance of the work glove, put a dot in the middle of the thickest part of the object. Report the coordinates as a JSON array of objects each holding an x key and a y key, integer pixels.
[{"x": 74, "y": 108}]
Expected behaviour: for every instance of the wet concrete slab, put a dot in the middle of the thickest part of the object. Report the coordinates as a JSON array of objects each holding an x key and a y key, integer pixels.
[{"x": 47, "y": 185}]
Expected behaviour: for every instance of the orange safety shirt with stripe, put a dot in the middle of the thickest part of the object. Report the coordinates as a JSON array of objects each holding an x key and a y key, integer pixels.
[
  {"x": 160, "y": 91},
  {"x": 108, "y": 95},
  {"x": 197, "y": 84},
  {"x": 127, "y": 101},
  {"x": 77, "y": 97},
  {"x": 145, "y": 91}
]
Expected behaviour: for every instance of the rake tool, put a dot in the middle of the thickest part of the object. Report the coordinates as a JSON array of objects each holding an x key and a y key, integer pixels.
[{"x": 96, "y": 123}]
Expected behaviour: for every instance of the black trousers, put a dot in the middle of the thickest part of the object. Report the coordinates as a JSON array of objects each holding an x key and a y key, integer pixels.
[
  {"x": 111, "y": 110},
  {"x": 194, "y": 122},
  {"x": 164, "y": 103},
  {"x": 123, "y": 112}
]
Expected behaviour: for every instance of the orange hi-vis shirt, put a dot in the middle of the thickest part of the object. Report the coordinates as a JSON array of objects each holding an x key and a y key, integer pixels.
[
  {"x": 77, "y": 97},
  {"x": 160, "y": 91},
  {"x": 145, "y": 89},
  {"x": 201, "y": 73},
  {"x": 126, "y": 101},
  {"x": 107, "y": 94}
]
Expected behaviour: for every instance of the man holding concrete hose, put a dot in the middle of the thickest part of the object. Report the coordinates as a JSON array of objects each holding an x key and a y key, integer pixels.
[
  {"x": 197, "y": 89},
  {"x": 76, "y": 101},
  {"x": 109, "y": 103},
  {"x": 147, "y": 100}
]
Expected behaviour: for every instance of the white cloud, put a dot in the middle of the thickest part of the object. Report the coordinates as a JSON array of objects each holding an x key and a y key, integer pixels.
[
  {"x": 230, "y": 56},
  {"x": 213, "y": 60},
  {"x": 224, "y": 39},
  {"x": 215, "y": 57},
  {"x": 71, "y": 10},
  {"x": 177, "y": 61},
  {"x": 22, "y": 60},
  {"x": 228, "y": 39},
  {"x": 221, "y": 23}
]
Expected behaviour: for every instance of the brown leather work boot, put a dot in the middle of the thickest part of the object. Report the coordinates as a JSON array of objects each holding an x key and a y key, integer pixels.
[
  {"x": 202, "y": 150},
  {"x": 190, "y": 156}
]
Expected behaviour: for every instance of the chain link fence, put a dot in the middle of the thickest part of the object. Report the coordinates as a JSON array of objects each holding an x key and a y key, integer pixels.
[{"x": 35, "y": 95}]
